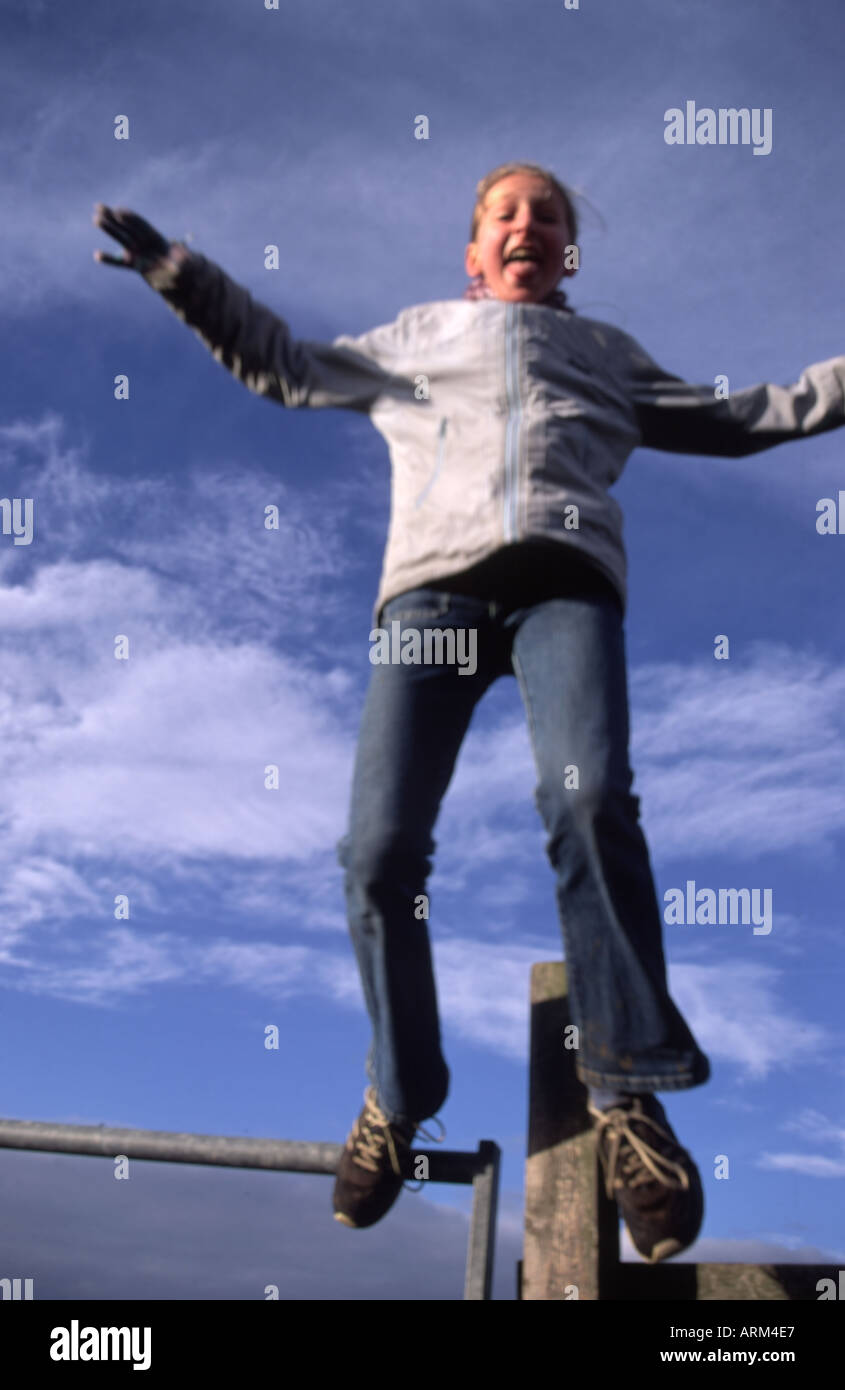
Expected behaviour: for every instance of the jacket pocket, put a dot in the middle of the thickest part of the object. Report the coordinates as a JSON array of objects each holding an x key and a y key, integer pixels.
[{"x": 441, "y": 451}]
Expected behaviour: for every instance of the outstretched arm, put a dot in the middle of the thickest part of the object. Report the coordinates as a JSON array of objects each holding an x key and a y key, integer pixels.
[
  {"x": 686, "y": 419},
  {"x": 247, "y": 338}
]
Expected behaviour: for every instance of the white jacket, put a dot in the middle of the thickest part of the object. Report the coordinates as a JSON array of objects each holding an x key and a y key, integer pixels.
[{"x": 505, "y": 422}]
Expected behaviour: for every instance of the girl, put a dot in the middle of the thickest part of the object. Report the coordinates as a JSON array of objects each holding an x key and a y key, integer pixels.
[{"x": 508, "y": 417}]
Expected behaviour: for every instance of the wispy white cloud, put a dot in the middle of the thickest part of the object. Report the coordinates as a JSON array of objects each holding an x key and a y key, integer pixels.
[
  {"x": 810, "y": 1165},
  {"x": 333, "y": 272},
  {"x": 812, "y": 1124},
  {"x": 813, "y": 1127},
  {"x": 721, "y": 757},
  {"x": 165, "y": 753},
  {"x": 122, "y": 961},
  {"x": 739, "y": 1015},
  {"x": 731, "y": 1102},
  {"x": 483, "y": 991},
  {"x": 31, "y": 888},
  {"x": 153, "y": 762}
]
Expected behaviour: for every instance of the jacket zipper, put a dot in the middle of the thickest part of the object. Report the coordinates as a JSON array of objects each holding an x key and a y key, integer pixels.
[
  {"x": 441, "y": 448},
  {"x": 514, "y": 412}
]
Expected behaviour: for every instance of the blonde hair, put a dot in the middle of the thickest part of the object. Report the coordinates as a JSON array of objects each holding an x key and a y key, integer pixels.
[{"x": 502, "y": 172}]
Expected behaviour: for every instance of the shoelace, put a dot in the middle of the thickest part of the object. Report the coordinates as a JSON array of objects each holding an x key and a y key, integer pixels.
[
  {"x": 640, "y": 1163},
  {"x": 372, "y": 1132},
  {"x": 433, "y": 1139}
]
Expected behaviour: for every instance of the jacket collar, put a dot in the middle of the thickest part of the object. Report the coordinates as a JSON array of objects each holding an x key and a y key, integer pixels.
[{"x": 479, "y": 289}]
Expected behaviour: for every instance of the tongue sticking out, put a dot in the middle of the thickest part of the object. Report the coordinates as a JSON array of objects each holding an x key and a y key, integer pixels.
[{"x": 522, "y": 267}]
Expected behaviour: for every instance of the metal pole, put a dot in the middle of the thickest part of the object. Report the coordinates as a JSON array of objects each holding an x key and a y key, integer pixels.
[
  {"x": 278, "y": 1155},
  {"x": 482, "y": 1229},
  {"x": 169, "y": 1147}
]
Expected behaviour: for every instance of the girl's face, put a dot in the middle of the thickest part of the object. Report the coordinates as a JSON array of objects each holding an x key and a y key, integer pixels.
[{"x": 520, "y": 211}]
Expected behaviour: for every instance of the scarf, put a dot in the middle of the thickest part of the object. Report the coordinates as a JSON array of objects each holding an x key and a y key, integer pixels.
[{"x": 479, "y": 289}]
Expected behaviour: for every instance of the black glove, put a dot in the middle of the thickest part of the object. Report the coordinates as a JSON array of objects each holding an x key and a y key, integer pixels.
[{"x": 144, "y": 245}]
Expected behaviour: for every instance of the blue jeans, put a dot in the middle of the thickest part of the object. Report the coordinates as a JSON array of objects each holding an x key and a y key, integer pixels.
[{"x": 568, "y": 655}]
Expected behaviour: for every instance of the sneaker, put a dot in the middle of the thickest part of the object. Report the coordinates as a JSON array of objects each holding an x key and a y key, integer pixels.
[
  {"x": 649, "y": 1175},
  {"x": 373, "y": 1166}
]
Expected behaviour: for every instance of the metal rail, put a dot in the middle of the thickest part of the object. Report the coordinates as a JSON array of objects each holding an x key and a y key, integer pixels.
[{"x": 481, "y": 1168}]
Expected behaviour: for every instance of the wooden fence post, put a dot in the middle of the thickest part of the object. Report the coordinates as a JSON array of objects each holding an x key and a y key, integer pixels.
[
  {"x": 571, "y": 1229},
  {"x": 571, "y": 1246}
]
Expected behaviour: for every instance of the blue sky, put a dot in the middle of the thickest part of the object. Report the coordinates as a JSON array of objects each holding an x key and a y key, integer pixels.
[{"x": 248, "y": 647}]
